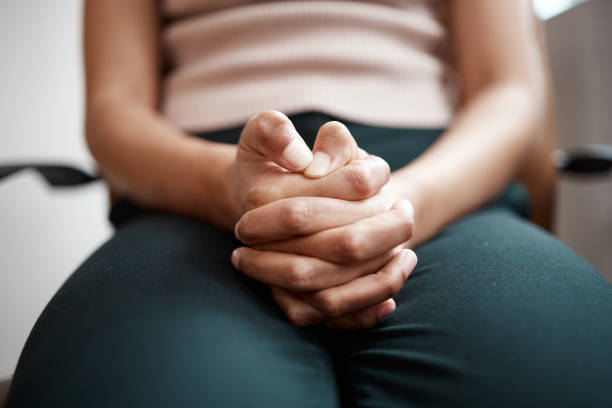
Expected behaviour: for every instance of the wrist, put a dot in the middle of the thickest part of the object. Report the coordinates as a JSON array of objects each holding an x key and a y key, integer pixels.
[
  {"x": 401, "y": 188},
  {"x": 229, "y": 200},
  {"x": 211, "y": 186},
  {"x": 404, "y": 187}
]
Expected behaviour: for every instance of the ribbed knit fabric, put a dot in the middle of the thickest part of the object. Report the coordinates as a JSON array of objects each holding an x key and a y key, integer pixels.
[{"x": 376, "y": 62}]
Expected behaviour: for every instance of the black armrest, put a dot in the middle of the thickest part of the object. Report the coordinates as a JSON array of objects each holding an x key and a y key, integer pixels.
[
  {"x": 57, "y": 175},
  {"x": 589, "y": 159}
]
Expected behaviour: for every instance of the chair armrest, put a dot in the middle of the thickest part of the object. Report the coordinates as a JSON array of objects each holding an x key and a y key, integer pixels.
[
  {"x": 57, "y": 175},
  {"x": 590, "y": 159}
]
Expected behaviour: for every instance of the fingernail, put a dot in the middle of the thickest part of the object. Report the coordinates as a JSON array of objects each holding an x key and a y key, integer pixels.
[
  {"x": 409, "y": 258},
  {"x": 236, "y": 234},
  {"x": 387, "y": 309},
  {"x": 297, "y": 154},
  {"x": 235, "y": 257},
  {"x": 319, "y": 165}
]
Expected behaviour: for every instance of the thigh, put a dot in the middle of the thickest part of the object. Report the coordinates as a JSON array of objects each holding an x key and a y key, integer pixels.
[
  {"x": 158, "y": 317},
  {"x": 497, "y": 313}
]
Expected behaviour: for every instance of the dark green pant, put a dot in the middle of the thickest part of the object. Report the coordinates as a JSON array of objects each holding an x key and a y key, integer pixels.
[{"x": 496, "y": 313}]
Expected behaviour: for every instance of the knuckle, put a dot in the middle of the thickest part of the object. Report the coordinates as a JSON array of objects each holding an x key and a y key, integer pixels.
[
  {"x": 296, "y": 215},
  {"x": 381, "y": 166},
  {"x": 366, "y": 320},
  {"x": 330, "y": 306},
  {"x": 361, "y": 180},
  {"x": 297, "y": 316},
  {"x": 301, "y": 276},
  {"x": 257, "y": 196},
  {"x": 375, "y": 205},
  {"x": 350, "y": 246}
]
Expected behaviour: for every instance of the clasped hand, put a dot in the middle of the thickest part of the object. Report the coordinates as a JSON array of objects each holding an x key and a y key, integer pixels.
[{"x": 326, "y": 234}]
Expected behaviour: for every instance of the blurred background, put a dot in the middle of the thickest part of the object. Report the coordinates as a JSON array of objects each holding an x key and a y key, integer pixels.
[{"x": 45, "y": 234}]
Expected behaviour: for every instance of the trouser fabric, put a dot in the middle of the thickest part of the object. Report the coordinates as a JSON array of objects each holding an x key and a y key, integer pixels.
[{"x": 496, "y": 313}]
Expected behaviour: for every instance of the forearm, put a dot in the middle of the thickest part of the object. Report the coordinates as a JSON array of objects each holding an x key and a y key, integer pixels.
[
  {"x": 148, "y": 160},
  {"x": 472, "y": 161}
]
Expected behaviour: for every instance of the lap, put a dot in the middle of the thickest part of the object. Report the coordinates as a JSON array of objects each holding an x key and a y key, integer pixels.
[
  {"x": 158, "y": 317},
  {"x": 496, "y": 313}
]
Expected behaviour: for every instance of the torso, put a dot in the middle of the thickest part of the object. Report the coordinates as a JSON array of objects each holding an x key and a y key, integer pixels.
[{"x": 378, "y": 62}]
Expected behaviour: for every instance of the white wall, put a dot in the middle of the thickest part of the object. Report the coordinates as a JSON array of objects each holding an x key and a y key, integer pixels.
[{"x": 44, "y": 234}]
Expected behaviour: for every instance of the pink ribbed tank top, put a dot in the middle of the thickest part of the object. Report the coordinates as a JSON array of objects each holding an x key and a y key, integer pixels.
[{"x": 375, "y": 62}]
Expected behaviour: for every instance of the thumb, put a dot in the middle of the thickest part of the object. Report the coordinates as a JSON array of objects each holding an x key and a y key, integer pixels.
[
  {"x": 272, "y": 135},
  {"x": 334, "y": 148}
]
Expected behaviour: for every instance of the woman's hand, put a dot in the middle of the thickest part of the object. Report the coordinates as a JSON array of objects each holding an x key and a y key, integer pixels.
[
  {"x": 271, "y": 156},
  {"x": 343, "y": 275},
  {"x": 359, "y": 304},
  {"x": 329, "y": 260}
]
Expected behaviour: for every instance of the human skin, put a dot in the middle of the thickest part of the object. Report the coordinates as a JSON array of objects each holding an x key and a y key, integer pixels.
[
  {"x": 145, "y": 158},
  {"x": 336, "y": 276}
]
